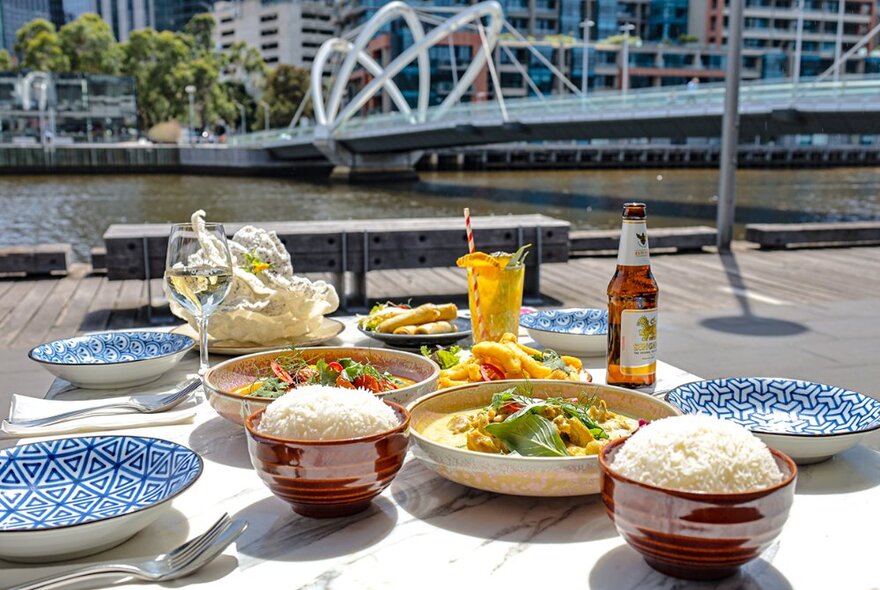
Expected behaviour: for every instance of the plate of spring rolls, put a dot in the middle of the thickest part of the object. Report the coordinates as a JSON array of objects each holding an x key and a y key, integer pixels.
[{"x": 403, "y": 326}]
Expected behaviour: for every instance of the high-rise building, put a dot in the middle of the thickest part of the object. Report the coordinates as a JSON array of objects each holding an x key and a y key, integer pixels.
[
  {"x": 15, "y": 13},
  {"x": 284, "y": 32},
  {"x": 172, "y": 15},
  {"x": 667, "y": 20},
  {"x": 826, "y": 28}
]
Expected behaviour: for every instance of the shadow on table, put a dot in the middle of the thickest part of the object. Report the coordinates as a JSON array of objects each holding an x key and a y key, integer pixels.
[
  {"x": 220, "y": 441},
  {"x": 167, "y": 532},
  {"x": 851, "y": 471},
  {"x": 475, "y": 513},
  {"x": 747, "y": 324},
  {"x": 622, "y": 567},
  {"x": 276, "y": 533}
]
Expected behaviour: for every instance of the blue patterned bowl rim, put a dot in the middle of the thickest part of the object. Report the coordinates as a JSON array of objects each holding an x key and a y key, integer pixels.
[
  {"x": 95, "y": 440},
  {"x": 871, "y": 407},
  {"x": 42, "y": 353},
  {"x": 572, "y": 321}
]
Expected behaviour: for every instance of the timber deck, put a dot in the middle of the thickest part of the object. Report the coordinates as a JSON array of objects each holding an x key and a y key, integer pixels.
[{"x": 37, "y": 310}]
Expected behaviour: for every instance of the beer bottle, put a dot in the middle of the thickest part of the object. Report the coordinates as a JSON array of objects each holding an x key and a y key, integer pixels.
[{"x": 632, "y": 307}]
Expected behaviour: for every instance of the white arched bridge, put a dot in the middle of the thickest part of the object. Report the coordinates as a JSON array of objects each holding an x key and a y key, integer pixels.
[{"x": 340, "y": 136}]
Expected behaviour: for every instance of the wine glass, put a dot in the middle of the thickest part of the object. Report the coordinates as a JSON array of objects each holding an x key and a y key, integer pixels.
[{"x": 198, "y": 272}]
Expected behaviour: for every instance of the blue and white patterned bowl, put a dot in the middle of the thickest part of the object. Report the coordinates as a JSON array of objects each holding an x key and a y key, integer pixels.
[
  {"x": 574, "y": 331},
  {"x": 808, "y": 421},
  {"x": 66, "y": 498},
  {"x": 112, "y": 359}
]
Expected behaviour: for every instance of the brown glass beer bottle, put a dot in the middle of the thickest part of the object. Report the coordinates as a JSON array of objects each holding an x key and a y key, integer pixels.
[{"x": 632, "y": 307}]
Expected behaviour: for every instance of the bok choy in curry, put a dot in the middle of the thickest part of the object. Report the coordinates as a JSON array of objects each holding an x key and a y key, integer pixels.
[{"x": 516, "y": 423}]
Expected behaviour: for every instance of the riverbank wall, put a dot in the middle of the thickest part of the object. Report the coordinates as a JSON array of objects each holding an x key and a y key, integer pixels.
[
  {"x": 235, "y": 161},
  {"x": 141, "y": 159},
  {"x": 569, "y": 156}
]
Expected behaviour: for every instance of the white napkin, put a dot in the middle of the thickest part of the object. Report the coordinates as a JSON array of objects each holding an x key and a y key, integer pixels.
[{"x": 28, "y": 408}]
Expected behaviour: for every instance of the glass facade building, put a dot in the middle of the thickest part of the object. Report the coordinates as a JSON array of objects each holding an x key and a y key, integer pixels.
[
  {"x": 667, "y": 20},
  {"x": 15, "y": 13}
]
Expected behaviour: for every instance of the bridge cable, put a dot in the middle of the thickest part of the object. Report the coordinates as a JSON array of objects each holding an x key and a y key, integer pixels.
[
  {"x": 522, "y": 72},
  {"x": 543, "y": 59},
  {"x": 490, "y": 63},
  {"x": 452, "y": 60},
  {"x": 849, "y": 53}
]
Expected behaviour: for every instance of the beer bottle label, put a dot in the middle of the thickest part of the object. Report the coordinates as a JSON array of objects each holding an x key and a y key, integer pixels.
[
  {"x": 638, "y": 341},
  {"x": 633, "y": 249}
]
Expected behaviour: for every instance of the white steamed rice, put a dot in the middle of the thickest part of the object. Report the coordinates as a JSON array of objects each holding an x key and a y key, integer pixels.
[
  {"x": 697, "y": 453},
  {"x": 321, "y": 412}
]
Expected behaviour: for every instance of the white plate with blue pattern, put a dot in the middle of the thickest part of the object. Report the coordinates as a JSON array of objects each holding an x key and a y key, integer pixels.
[
  {"x": 66, "y": 498},
  {"x": 109, "y": 360},
  {"x": 575, "y": 331},
  {"x": 809, "y": 422}
]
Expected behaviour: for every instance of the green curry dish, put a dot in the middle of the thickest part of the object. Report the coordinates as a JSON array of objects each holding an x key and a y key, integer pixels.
[
  {"x": 523, "y": 404},
  {"x": 529, "y": 435}
]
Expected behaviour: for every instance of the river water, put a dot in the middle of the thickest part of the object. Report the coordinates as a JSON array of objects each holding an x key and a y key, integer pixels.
[{"x": 78, "y": 209}]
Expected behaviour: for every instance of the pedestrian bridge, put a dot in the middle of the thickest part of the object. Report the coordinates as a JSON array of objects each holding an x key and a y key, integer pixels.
[
  {"x": 343, "y": 136},
  {"x": 850, "y": 106}
]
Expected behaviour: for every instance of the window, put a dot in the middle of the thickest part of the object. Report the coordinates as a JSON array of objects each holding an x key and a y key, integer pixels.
[
  {"x": 266, "y": 46},
  {"x": 227, "y": 33},
  {"x": 266, "y": 18},
  {"x": 271, "y": 60},
  {"x": 268, "y": 32},
  {"x": 226, "y": 46},
  {"x": 226, "y": 19}
]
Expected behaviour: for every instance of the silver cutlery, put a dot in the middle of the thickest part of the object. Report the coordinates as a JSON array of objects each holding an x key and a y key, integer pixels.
[
  {"x": 144, "y": 406},
  {"x": 179, "y": 562}
]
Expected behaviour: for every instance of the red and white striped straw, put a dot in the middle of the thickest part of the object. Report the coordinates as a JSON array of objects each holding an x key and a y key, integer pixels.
[{"x": 471, "y": 248}]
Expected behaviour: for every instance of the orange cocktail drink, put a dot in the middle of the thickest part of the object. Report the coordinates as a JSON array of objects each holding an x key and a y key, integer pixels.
[{"x": 496, "y": 280}]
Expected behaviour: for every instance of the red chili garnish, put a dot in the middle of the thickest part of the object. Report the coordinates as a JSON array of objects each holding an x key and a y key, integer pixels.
[
  {"x": 368, "y": 382},
  {"x": 491, "y": 372},
  {"x": 280, "y": 372},
  {"x": 303, "y": 375},
  {"x": 334, "y": 366},
  {"x": 643, "y": 422},
  {"x": 510, "y": 408},
  {"x": 343, "y": 382}
]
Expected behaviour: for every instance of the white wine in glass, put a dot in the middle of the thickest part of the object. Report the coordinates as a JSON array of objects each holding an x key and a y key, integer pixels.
[{"x": 198, "y": 272}]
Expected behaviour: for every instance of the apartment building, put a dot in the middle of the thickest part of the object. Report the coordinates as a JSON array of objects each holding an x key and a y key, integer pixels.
[
  {"x": 284, "y": 32},
  {"x": 828, "y": 28}
]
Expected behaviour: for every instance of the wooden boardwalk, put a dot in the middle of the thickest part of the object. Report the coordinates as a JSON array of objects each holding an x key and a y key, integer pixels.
[{"x": 37, "y": 310}]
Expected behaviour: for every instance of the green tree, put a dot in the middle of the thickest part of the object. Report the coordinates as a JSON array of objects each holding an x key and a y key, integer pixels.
[
  {"x": 155, "y": 60},
  {"x": 90, "y": 46},
  {"x": 39, "y": 47},
  {"x": 286, "y": 86},
  {"x": 201, "y": 28},
  {"x": 6, "y": 62}
]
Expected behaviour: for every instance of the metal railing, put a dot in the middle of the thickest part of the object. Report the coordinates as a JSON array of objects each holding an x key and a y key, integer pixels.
[{"x": 664, "y": 101}]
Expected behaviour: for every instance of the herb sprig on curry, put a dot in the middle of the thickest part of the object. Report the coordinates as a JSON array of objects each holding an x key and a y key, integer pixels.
[
  {"x": 290, "y": 370},
  {"x": 516, "y": 423}
]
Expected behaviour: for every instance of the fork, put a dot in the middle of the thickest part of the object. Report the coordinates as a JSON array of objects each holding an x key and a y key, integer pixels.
[
  {"x": 179, "y": 562},
  {"x": 143, "y": 406}
]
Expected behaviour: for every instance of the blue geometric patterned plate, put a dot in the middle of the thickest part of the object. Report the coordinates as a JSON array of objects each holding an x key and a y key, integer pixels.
[
  {"x": 111, "y": 347},
  {"x": 809, "y": 421},
  {"x": 580, "y": 332},
  {"x": 113, "y": 359},
  {"x": 584, "y": 322},
  {"x": 80, "y": 495}
]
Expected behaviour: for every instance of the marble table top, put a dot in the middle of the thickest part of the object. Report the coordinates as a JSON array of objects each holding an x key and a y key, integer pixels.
[{"x": 425, "y": 531}]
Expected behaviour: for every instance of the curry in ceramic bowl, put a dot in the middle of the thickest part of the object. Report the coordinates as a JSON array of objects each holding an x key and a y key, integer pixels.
[
  {"x": 529, "y": 438},
  {"x": 241, "y": 386}
]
